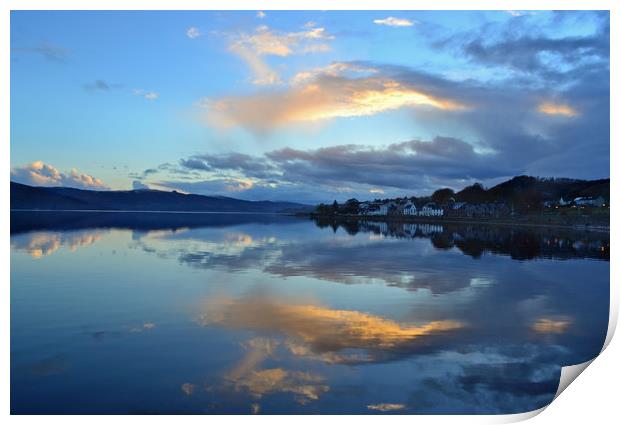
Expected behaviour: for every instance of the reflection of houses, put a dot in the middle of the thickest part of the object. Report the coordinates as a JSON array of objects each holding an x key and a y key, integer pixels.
[
  {"x": 431, "y": 210},
  {"x": 589, "y": 201},
  {"x": 410, "y": 229},
  {"x": 428, "y": 229},
  {"x": 581, "y": 201}
]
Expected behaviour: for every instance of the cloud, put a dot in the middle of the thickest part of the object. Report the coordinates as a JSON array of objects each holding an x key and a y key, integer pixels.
[
  {"x": 405, "y": 165},
  {"x": 40, "y": 174},
  {"x": 193, "y": 32},
  {"x": 40, "y": 244},
  {"x": 263, "y": 74},
  {"x": 517, "y": 13},
  {"x": 148, "y": 95},
  {"x": 551, "y": 326},
  {"x": 100, "y": 85},
  {"x": 260, "y": 14},
  {"x": 246, "y": 164},
  {"x": 252, "y": 48},
  {"x": 323, "y": 95},
  {"x": 525, "y": 49},
  {"x": 394, "y": 22},
  {"x": 247, "y": 376},
  {"x": 138, "y": 185},
  {"x": 551, "y": 108},
  {"x": 320, "y": 329},
  {"x": 386, "y": 407},
  {"x": 97, "y": 85},
  {"x": 49, "y": 51}
]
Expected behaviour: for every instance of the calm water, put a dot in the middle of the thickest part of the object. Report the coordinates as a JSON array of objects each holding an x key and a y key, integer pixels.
[{"x": 204, "y": 313}]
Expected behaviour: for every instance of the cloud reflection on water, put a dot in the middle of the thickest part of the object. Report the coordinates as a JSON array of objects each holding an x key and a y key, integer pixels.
[{"x": 315, "y": 329}]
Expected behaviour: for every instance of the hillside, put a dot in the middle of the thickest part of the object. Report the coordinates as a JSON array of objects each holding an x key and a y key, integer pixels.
[
  {"x": 534, "y": 190},
  {"x": 64, "y": 198}
]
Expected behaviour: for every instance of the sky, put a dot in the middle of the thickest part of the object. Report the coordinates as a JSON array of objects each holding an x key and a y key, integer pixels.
[{"x": 307, "y": 106}]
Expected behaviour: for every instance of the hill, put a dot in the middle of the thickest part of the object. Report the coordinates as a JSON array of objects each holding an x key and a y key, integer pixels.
[
  {"x": 534, "y": 190},
  {"x": 64, "y": 198}
]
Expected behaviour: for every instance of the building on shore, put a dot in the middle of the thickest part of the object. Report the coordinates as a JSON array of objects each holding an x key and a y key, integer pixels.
[{"x": 431, "y": 209}]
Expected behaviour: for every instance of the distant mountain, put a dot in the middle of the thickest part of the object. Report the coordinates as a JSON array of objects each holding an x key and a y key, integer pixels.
[{"x": 65, "y": 198}]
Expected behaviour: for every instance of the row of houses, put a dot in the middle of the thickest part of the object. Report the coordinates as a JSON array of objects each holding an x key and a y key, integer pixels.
[
  {"x": 432, "y": 209},
  {"x": 405, "y": 207},
  {"x": 408, "y": 208}
]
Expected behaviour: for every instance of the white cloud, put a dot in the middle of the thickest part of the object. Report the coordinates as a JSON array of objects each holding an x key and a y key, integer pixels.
[
  {"x": 148, "y": 95},
  {"x": 517, "y": 13},
  {"x": 260, "y": 14},
  {"x": 40, "y": 174},
  {"x": 263, "y": 74},
  {"x": 394, "y": 22},
  {"x": 252, "y": 48},
  {"x": 193, "y": 32}
]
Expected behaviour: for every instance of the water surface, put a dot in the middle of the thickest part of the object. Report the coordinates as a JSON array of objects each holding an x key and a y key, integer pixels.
[{"x": 206, "y": 313}]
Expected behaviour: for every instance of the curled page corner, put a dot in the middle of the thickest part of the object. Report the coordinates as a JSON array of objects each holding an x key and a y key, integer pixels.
[
  {"x": 518, "y": 417},
  {"x": 569, "y": 374}
]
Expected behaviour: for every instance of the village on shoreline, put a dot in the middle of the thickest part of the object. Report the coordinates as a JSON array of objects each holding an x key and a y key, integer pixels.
[{"x": 520, "y": 200}]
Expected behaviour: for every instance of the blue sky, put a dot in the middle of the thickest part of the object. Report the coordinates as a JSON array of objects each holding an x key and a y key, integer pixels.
[{"x": 307, "y": 106}]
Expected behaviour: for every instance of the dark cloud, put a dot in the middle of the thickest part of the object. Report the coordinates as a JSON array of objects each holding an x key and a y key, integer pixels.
[
  {"x": 400, "y": 165},
  {"x": 536, "y": 56},
  {"x": 100, "y": 85},
  {"x": 49, "y": 51},
  {"x": 138, "y": 185}
]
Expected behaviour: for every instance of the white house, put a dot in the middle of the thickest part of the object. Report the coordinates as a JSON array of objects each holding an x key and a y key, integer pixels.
[
  {"x": 410, "y": 209},
  {"x": 431, "y": 209}
]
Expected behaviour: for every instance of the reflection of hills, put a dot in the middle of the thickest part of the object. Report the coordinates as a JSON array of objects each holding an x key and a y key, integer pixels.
[
  {"x": 520, "y": 243},
  {"x": 26, "y": 221}
]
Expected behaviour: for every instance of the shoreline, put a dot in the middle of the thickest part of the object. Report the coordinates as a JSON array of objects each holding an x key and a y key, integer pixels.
[{"x": 466, "y": 220}]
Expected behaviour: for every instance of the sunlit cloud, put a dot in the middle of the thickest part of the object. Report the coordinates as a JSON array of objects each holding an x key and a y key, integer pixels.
[
  {"x": 386, "y": 407},
  {"x": 193, "y": 32},
  {"x": 321, "y": 329},
  {"x": 323, "y": 98},
  {"x": 551, "y": 326},
  {"x": 247, "y": 376},
  {"x": 39, "y": 173},
  {"x": 335, "y": 69},
  {"x": 551, "y": 108},
  {"x": 260, "y": 14},
  {"x": 394, "y": 22},
  {"x": 40, "y": 244}
]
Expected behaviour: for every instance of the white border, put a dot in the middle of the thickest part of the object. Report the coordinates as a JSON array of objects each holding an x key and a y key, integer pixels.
[{"x": 593, "y": 399}]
